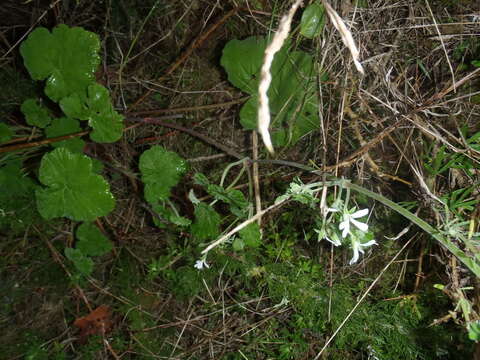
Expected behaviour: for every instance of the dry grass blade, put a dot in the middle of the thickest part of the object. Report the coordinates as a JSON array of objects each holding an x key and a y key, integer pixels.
[{"x": 346, "y": 35}]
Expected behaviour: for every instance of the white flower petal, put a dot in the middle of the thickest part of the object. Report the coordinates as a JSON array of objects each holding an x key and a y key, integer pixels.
[
  {"x": 360, "y": 225},
  {"x": 355, "y": 256},
  {"x": 336, "y": 243},
  {"x": 200, "y": 264},
  {"x": 370, "y": 243},
  {"x": 345, "y": 226},
  {"x": 359, "y": 213}
]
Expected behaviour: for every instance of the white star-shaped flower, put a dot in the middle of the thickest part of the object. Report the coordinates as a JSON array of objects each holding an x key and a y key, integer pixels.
[
  {"x": 357, "y": 248},
  {"x": 350, "y": 218},
  {"x": 200, "y": 264}
]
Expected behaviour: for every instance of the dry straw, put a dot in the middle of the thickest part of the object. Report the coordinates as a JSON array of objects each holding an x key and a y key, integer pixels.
[{"x": 276, "y": 44}]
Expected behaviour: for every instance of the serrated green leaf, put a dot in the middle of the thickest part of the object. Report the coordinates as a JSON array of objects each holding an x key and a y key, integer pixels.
[
  {"x": 161, "y": 170},
  {"x": 91, "y": 241},
  {"x": 95, "y": 106},
  {"x": 234, "y": 198},
  {"x": 168, "y": 215},
  {"x": 251, "y": 235},
  {"x": 5, "y": 133},
  {"x": 17, "y": 198},
  {"x": 82, "y": 263},
  {"x": 201, "y": 179},
  {"x": 66, "y": 57},
  {"x": 180, "y": 220},
  {"x": 72, "y": 189},
  {"x": 35, "y": 114},
  {"x": 291, "y": 93},
  {"x": 65, "y": 126},
  {"x": 207, "y": 222},
  {"x": 313, "y": 20}
]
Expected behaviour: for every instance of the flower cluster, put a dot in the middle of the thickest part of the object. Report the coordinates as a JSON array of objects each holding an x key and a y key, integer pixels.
[
  {"x": 200, "y": 264},
  {"x": 348, "y": 219}
]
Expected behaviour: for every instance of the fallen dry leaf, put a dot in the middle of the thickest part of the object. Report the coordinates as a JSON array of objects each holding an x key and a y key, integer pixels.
[{"x": 98, "y": 322}]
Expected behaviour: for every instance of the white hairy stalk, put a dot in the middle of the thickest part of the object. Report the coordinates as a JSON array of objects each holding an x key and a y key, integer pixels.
[
  {"x": 266, "y": 77},
  {"x": 346, "y": 35}
]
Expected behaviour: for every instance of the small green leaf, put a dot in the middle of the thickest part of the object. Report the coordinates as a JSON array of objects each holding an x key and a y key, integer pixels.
[
  {"x": 5, "y": 133},
  {"x": 72, "y": 189},
  {"x": 65, "y": 126},
  {"x": 168, "y": 215},
  {"x": 207, "y": 222},
  {"x": 161, "y": 170},
  {"x": 476, "y": 63},
  {"x": 474, "y": 330},
  {"x": 251, "y": 235},
  {"x": 82, "y": 263},
  {"x": 238, "y": 244},
  {"x": 91, "y": 241},
  {"x": 313, "y": 21},
  {"x": 95, "y": 106},
  {"x": 234, "y": 198},
  {"x": 66, "y": 57},
  {"x": 201, "y": 179},
  {"x": 35, "y": 114},
  {"x": 17, "y": 203}
]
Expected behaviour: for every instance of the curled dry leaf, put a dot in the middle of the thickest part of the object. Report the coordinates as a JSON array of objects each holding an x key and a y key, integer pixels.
[{"x": 98, "y": 322}]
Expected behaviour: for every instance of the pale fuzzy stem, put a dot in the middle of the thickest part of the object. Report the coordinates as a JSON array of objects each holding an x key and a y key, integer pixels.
[
  {"x": 346, "y": 35},
  {"x": 266, "y": 77}
]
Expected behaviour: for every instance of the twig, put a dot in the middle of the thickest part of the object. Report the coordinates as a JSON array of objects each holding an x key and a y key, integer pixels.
[
  {"x": 189, "y": 108},
  {"x": 51, "y": 6},
  {"x": 191, "y": 132},
  {"x": 185, "y": 55},
  {"x": 256, "y": 182},
  {"x": 362, "y": 298},
  {"x": 241, "y": 226},
  {"x": 4, "y": 149}
]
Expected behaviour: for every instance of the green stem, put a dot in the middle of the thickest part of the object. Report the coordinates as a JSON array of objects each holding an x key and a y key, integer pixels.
[{"x": 454, "y": 249}]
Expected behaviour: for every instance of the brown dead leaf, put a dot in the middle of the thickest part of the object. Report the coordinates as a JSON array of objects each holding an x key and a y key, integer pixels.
[{"x": 98, "y": 322}]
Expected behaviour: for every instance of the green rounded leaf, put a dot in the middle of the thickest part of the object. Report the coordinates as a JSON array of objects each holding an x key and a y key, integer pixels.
[
  {"x": 5, "y": 133},
  {"x": 242, "y": 59},
  {"x": 66, "y": 57},
  {"x": 35, "y": 113},
  {"x": 91, "y": 241},
  {"x": 95, "y": 106},
  {"x": 71, "y": 188},
  {"x": 207, "y": 222},
  {"x": 83, "y": 263},
  {"x": 313, "y": 21},
  {"x": 65, "y": 126},
  {"x": 251, "y": 235},
  {"x": 161, "y": 170},
  {"x": 291, "y": 91}
]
